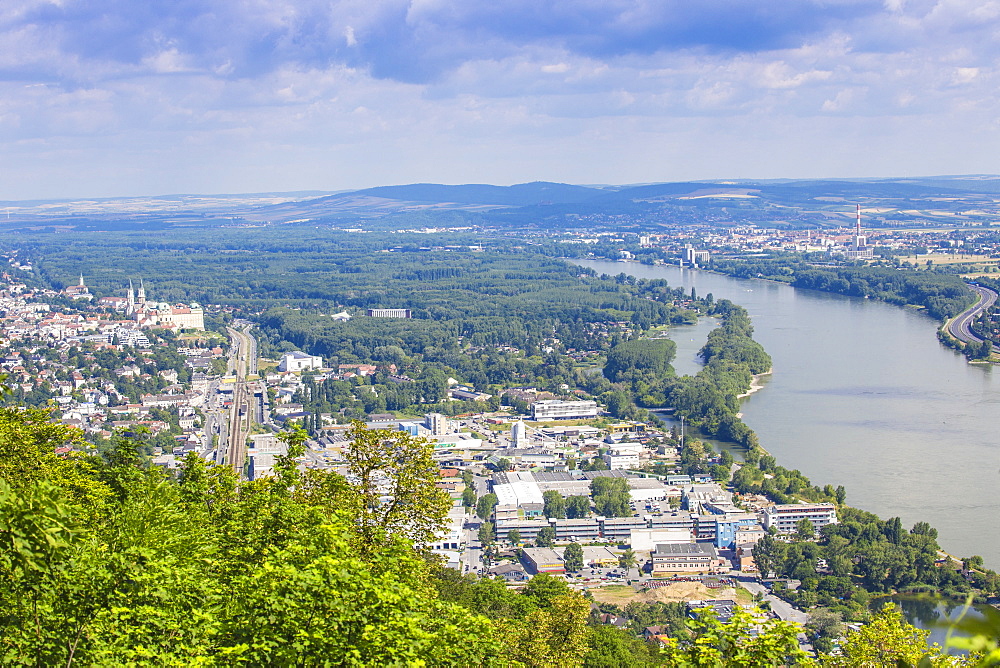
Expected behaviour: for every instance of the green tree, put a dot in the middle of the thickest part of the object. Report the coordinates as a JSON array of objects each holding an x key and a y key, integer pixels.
[
  {"x": 185, "y": 571},
  {"x": 554, "y": 504},
  {"x": 514, "y": 537},
  {"x": 487, "y": 533},
  {"x": 543, "y": 589},
  {"x": 613, "y": 504},
  {"x": 573, "y": 557},
  {"x": 743, "y": 641},
  {"x": 719, "y": 473},
  {"x": 469, "y": 497},
  {"x": 824, "y": 627},
  {"x": 552, "y": 636},
  {"x": 924, "y": 529},
  {"x": 766, "y": 554},
  {"x": 577, "y": 507},
  {"x": 627, "y": 559},
  {"x": 611, "y": 647},
  {"x": 546, "y": 537},
  {"x": 887, "y": 640},
  {"x": 974, "y": 562},
  {"x": 804, "y": 529},
  {"x": 485, "y": 505},
  {"x": 841, "y": 495},
  {"x": 381, "y": 464}
]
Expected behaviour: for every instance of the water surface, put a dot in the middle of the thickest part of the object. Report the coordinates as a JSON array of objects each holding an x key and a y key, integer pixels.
[{"x": 865, "y": 396}]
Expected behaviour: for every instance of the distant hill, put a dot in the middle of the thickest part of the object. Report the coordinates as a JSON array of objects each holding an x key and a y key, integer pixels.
[
  {"x": 968, "y": 199},
  {"x": 523, "y": 194}
]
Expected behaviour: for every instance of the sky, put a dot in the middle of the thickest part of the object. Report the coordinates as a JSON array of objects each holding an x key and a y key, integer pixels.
[{"x": 106, "y": 98}]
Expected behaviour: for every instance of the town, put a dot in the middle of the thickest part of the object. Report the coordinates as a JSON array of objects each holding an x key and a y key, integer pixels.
[
  {"x": 543, "y": 478},
  {"x": 525, "y": 487}
]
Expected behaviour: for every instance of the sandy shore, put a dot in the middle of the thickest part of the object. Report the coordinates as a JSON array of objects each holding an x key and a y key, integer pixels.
[{"x": 755, "y": 384}]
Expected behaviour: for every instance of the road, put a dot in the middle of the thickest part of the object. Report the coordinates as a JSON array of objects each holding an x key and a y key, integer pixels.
[
  {"x": 779, "y": 607},
  {"x": 960, "y": 326}
]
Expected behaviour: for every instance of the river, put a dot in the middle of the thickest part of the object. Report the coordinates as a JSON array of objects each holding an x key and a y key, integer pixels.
[{"x": 865, "y": 396}]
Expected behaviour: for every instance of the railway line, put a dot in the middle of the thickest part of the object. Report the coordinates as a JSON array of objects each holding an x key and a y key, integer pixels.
[{"x": 243, "y": 411}]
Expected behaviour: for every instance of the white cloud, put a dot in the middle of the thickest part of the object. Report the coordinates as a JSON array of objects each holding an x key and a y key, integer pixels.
[
  {"x": 460, "y": 89},
  {"x": 964, "y": 75},
  {"x": 169, "y": 61}
]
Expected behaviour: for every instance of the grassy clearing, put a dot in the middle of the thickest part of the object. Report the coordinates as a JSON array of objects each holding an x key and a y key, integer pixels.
[
  {"x": 948, "y": 258},
  {"x": 622, "y": 595}
]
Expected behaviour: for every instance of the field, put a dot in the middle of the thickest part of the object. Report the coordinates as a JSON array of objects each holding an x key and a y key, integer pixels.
[
  {"x": 622, "y": 595},
  {"x": 949, "y": 258}
]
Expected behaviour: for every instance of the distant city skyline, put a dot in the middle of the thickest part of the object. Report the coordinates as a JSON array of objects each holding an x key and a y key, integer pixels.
[{"x": 116, "y": 99}]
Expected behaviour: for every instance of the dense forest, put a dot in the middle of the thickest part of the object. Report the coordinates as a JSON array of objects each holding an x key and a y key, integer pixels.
[{"x": 491, "y": 319}]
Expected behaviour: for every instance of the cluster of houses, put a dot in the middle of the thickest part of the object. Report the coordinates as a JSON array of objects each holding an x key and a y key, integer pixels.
[{"x": 679, "y": 524}]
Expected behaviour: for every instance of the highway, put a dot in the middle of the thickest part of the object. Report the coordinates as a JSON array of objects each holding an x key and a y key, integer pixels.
[{"x": 960, "y": 326}]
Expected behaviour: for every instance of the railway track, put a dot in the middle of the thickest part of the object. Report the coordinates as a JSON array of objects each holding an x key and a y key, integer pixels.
[{"x": 242, "y": 411}]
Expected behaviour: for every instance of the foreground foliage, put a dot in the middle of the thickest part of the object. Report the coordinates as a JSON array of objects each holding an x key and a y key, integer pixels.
[{"x": 106, "y": 562}]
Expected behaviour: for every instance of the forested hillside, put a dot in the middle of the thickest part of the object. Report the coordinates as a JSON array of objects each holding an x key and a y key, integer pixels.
[{"x": 491, "y": 319}]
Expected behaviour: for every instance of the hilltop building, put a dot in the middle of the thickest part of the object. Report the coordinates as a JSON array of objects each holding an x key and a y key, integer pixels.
[
  {"x": 150, "y": 314},
  {"x": 79, "y": 291}
]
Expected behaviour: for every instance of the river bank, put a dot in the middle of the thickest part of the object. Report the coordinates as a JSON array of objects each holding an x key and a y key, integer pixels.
[
  {"x": 756, "y": 384},
  {"x": 848, "y": 403}
]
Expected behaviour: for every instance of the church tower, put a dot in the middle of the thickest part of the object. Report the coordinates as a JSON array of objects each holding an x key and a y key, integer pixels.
[
  {"x": 130, "y": 308},
  {"x": 142, "y": 295}
]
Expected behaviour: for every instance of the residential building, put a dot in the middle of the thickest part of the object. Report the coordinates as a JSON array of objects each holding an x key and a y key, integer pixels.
[
  {"x": 672, "y": 558},
  {"x": 437, "y": 423},
  {"x": 557, "y": 409},
  {"x": 784, "y": 518},
  {"x": 695, "y": 257},
  {"x": 727, "y": 527},
  {"x": 299, "y": 361}
]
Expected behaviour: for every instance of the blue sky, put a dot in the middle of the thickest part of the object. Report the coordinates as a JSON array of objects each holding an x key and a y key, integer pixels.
[{"x": 133, "y": 97}]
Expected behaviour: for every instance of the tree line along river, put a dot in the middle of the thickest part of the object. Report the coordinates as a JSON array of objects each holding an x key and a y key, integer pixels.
[{"x": 865, "y": 396}]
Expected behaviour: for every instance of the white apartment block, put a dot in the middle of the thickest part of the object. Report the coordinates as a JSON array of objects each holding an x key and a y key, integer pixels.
[
  {"x": 556, "y": 409},
  {"x": 783, "y": 518},
  {"x": 389, "y": 313},
  {"x": 299, "y": 361}
]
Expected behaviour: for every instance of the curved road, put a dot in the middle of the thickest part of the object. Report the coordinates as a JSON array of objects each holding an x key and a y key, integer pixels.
[{"x": 960, "y": 326}]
